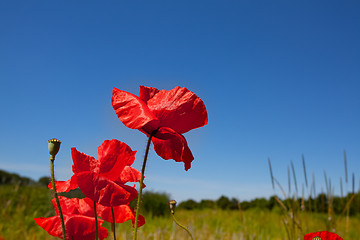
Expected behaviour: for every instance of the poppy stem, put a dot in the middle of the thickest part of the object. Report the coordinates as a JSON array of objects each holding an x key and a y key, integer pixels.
[
  {"x": 172, "y": 205},
  {"x": 96, "y": 223},
  {"x": 113, "y": 223},
  {"x": 52, "y": 159},
  {"x": 180, "y": 225},
  {"x": 141, "y": 184}
]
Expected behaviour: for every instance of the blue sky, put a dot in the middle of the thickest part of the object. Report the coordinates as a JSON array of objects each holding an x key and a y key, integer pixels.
[{"x": 279, "y": 79}]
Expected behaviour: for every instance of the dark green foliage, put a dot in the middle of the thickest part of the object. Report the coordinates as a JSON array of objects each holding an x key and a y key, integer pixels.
[
  {"x": 261, "y": 203},
  {"x": 13, "y": 178},
  {"x": 189, "y": 204},
  {"x": 44, "y": 181},
  {"x": 155, "y": 203},
  {"x": 206, "y": 203},
  {"x": 320, "y": 204},
  {"x": 234, "y": 204},
  {"x": 271, "y": 203},
  {"x": 245, "y": 205},
  {"x": 223, "y": 203}
]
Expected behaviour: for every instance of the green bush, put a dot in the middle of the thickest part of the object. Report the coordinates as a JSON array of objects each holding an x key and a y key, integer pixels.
[{"x": 155, "y": 203}]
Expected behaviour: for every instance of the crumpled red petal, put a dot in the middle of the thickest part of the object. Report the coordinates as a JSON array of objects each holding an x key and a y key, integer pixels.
[
  {"x": 113, "y": 157},
  {"x": 104, "y": 191},
  {"x": 71, "y": 206},
  {"x": 83, "y": 162},
  {"x": 77, "y": 227},
  {"x": 65, "y": 186},
  {"x": 132, "y": 111},
  {"x": 141, "y": 221},
  {"x": 83, "y": 228},
  {"x": 178, "y": 109},
  {"x": 129, "y": 174},
  {"x": 324, "y": 235},
  {"x": 169, "y": 144},
  {"x": 146, "y": 93},
  {"x": 52, "y": 225}
]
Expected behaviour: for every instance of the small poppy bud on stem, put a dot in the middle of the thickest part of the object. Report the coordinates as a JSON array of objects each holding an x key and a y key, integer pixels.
[
  {"x": 172, "y": 205},
  {"x": 54, "y": 147}
]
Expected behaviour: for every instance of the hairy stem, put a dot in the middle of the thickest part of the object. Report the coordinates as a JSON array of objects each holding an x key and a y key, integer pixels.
[
  {"x": 113, "y": 223},
  {"x": 96, "y": 223},
  {"x": 180, "y": 225},
  {"x": 52, "y": 159},
  {"x": 141, "y": 184}
]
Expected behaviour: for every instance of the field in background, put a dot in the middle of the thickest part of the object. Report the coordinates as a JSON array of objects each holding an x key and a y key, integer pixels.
[{"x": 20, "y": 204}]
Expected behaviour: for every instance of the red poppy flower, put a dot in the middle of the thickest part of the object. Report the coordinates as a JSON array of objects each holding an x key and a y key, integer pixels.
[
  {"x": 104, "y": 180},
  {"x": 170, "y": 113},
  {"x": 78, "y": 226},
  {"x": 323, "y": 235},
  {"x": 100, "y": 180}
]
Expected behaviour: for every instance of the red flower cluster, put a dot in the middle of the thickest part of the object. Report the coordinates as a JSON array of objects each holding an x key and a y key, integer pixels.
[
  {"x": 164, "y": 115},
  {"x": 169, "y": 113},
  {"x": 323, "y": 235},
  {"x": 102, "y": 181}
]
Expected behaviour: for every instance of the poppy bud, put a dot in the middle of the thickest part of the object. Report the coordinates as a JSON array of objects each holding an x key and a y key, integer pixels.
[
  {"x": 172, "y": 205},
  {"x": 54, "y": 146}
]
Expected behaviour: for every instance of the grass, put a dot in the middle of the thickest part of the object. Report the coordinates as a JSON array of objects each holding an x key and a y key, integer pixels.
[{"x": 19, "y": 205}]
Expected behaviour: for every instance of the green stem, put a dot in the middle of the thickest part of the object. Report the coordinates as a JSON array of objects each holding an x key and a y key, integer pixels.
[
  {"x": 52, "y": 159},
  {"x": 141, "y": 184},
  {"x": 96, "y": 223},
  {"x": 113, "y": 223},
  {"x": 180, "y": 225}
]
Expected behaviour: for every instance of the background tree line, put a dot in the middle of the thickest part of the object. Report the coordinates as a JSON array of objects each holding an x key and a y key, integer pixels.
[
  {"x": 319, "y": 204},
  {"x": 155, "y": 203}
]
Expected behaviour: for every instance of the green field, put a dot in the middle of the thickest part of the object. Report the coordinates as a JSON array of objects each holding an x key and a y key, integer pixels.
[{"x": 19, "y": 205}]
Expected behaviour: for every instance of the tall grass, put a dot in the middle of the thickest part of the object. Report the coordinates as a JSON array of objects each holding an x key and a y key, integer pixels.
[
  {"x": 297, "y": 223},
  {"x": 291, "y": 218},
  {"x": 19, "y": 205}
]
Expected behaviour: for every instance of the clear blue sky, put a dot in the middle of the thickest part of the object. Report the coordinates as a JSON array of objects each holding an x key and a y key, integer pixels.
[{"x": 279, "y": 79}]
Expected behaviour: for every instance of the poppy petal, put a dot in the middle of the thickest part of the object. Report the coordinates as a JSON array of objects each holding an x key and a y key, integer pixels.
[
  {"x": 83, "y": 228},
  {"x": 324, "y": 235},
  {"x": 132, "y": 111},
  {"x": 141, "y": 221},
  {"x": 146, "y": 93},
  {"x": 114, "y": 156},
  {"x": 85, "y": 206},
  {"x": 104, "y": 191},
  {"x": 130, "y": 174},
  {"x": 68, "y": 206},
  {"x": 83, "y": 162},
  {"x": 169, "y": 144},
  {"x": 65, "y": 186},
  {"x": 51, "y": 224},
  {"x": 178, "y": 109},
  {"x": 71, "y": 206}
]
